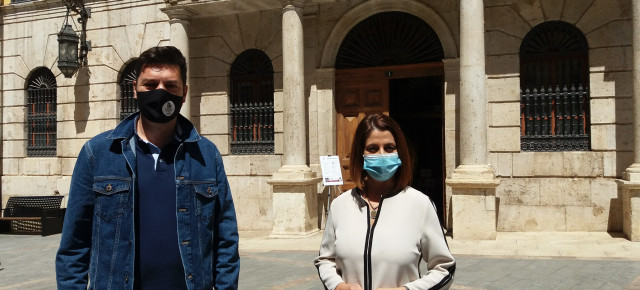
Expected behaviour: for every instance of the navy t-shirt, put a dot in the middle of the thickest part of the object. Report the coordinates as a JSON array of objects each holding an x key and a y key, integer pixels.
[{"x": 157, "y": 263}]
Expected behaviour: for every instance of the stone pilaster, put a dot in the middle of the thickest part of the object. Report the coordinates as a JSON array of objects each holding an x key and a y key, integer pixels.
[
  {"x": 473, "y": 202},
  {"x": 473, "y": 182},
  {"x": 180, "y": 21},
  {"x": 294, "y": 185},
  {"x": 630, "y": 209},
  {"x": 631, "y": 183},
  {"x": 295, "y": 202}
]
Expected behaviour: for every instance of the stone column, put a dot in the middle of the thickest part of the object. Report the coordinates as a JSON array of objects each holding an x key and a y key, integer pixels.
[
  {"x": 295, "y": 211},
  {"x": 451, "y": 104},
  {"x": 179, "y": 21},
  {"x": 631, "y": 183},
  {"x": 295, "y": 127},
  {"x": 473, "y": 182}
]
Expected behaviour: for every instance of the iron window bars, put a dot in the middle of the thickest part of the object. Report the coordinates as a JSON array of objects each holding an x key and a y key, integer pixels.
[
  {"x": 128, "y": 104},
  {"x": 554, "y": 89},
  {"x": 251, "y": 104},
  {"x": 41, "y": 114}
]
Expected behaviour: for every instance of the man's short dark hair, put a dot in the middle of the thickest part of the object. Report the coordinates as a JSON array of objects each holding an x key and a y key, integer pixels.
[{"x": 163, "y": 55}]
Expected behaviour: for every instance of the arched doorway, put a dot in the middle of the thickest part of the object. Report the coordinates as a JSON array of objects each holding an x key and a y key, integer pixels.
[{"x": 391, "y": 63}]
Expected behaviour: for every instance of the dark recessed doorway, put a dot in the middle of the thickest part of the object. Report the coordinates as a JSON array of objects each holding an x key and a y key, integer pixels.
[{"x": 416, "y": 104}]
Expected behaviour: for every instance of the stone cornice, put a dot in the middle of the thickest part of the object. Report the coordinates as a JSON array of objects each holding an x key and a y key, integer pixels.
[
  {"x": 281, "y": 182},
  {"x": 294, "y": 3},
  {"x": 628, "y": 184},
  {"x": 179, "y": 12},
  {"x": 470, "y": 183},
  {"x": 473, "y": 176},
  {"x": 38, "y": 7},
  {"x": 213, "y": 8}
]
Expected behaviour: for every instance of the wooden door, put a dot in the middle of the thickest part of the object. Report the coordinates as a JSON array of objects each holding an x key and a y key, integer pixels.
[{"x": 359, "y": 92}]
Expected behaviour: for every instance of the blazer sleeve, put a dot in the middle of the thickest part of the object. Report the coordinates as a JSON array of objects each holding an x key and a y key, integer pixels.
[
  {"x": 326, "y": 261},
  {"x": 73, "y": 256},
  {"x": 441, "y": 265}
]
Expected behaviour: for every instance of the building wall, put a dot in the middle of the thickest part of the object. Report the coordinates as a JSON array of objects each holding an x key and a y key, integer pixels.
[
  {"x": 215, "y": 43},
  {"x": 550, "y": 191},
  {"x": 561, "y": 191},
  {"x": 87, "y": 103}
]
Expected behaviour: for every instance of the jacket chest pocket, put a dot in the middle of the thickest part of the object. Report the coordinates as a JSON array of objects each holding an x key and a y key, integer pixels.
[
  {"x": 112, "y": 196},
  {"x": 206, "y": 200}
]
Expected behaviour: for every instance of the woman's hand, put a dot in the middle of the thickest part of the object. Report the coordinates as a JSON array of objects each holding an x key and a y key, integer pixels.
[{"x": 345, "y": 286}]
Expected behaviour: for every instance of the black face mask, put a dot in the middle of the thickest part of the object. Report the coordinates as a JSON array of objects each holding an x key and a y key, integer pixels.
[{"x": 159, "y": 106}]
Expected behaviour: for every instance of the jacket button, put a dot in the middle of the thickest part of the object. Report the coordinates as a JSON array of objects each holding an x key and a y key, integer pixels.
[
  {"x": 182, "y": 210},
  {"x": 209, "y": 190},
  {"x": 109, "y": 187},
  {"x": 180, "y": 177},
  {"x": 185, "y": 243},
  {"x": 190, "y": 277},
  {"x": 126, "y": 279}
]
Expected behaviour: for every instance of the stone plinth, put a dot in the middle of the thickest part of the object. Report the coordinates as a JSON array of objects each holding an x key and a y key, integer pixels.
[
  {"x": 295, "y": 202},
  {"x": 631, "y": 209},
  {"x": 473, "y": 202},
  {"x": 632, "y": 173}
]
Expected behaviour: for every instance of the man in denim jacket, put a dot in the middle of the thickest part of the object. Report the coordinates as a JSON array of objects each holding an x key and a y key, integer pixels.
[{"x": 149, "y": 205}]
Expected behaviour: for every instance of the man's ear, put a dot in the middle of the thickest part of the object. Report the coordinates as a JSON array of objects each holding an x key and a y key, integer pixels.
[
  {"x": 135, "y": 93},
  {"x": 184, "y": 95}
]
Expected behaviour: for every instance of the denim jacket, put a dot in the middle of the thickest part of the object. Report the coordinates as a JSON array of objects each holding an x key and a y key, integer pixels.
[{"x": 98, "y": 236}]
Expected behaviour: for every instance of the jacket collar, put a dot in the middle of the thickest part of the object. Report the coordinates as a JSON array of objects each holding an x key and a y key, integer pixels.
[
  {"x": 126, "y": 129},
  {"x": 357, "y": 195}
]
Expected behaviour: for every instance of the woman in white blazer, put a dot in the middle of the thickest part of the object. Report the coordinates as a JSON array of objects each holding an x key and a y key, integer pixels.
[{"x": 377, "y": 233}]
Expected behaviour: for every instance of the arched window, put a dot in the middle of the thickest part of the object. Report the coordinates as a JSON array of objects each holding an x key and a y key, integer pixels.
[
  {"x": 251, "y": 99},
  {"x": 42, "y": 99},
  {"x": 554, "y": 89},
  {"x": 128, "y": 104},
  {"x": 389, "y": 38}
]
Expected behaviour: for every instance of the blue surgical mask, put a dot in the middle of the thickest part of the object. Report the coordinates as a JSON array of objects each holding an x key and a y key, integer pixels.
[{"x": 381, "y": 167}]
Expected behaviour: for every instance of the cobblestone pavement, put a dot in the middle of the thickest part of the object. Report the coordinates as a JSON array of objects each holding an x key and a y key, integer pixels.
[{"x": 27, "y": 262}]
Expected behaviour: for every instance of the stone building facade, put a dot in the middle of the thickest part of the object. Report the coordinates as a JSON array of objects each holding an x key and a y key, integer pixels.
[{"x": 327, "y": 74}]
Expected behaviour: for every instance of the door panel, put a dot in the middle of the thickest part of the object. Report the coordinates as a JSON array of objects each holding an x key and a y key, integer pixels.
[
  {"x": 373, "y": 100},
  {"x": 359, "y": 92},
  {"x": 346, "y": 127}
]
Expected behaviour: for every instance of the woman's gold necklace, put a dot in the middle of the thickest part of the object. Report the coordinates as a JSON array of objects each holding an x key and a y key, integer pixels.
[{"x": 374, "y": 210}]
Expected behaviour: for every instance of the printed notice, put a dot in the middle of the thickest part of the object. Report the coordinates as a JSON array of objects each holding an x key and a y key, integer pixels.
[{"x": 331, "y": 174}]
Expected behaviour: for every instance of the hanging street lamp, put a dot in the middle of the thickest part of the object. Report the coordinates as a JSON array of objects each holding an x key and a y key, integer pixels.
[
  {"x": 67, "y": 51},
  {"x": 68, "y": 58}
]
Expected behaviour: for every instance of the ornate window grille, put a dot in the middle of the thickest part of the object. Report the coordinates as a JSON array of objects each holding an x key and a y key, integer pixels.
[
  {"x": 41, "y": 113},
  {"x": 376, "y": 42},
  {"x": 554, "y": 89},
  {"x": 128, "y": 104},
  {"x": 252, "y": 103}
]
